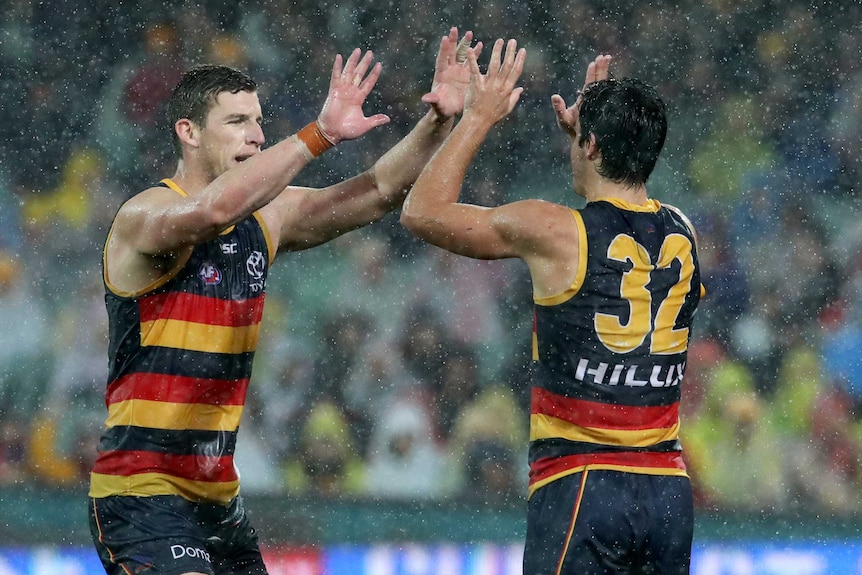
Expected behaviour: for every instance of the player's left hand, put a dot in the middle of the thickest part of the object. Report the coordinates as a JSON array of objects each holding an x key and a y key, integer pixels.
[{"x": 451, "y": 74}]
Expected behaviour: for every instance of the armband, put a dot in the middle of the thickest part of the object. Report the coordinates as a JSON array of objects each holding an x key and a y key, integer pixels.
[{"x": 314, "y": 139}]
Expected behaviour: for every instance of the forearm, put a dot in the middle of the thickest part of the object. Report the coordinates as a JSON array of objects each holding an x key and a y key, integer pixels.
[
  {"x": 256, "y": 182},
  {"x": 398, "y": 168},
  {"x": 441, "y": 181}
]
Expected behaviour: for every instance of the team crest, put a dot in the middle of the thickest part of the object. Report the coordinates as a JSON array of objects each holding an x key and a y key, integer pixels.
[
  {"x": 209, "y": 274},
  {"x": 255, "y": 265}
]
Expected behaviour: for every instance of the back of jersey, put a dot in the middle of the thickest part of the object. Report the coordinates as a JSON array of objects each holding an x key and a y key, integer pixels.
[{"x": 609, "y": 353}]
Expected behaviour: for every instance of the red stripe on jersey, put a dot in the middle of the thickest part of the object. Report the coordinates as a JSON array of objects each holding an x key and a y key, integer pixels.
[
  {"x": 602, "y": 415},
  {"x": 177, "y": 389},
  {"x": 201, "y": 309},
  {"x": 192, "y": 467},
  {"x": 550, "y": 466}
]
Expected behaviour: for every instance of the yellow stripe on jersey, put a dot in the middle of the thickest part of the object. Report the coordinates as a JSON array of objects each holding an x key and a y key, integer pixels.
[
  {"x": 548, "y": 427},
  {"x": 147, "y": 484},
  {"x": 580, "y": 273},
  {"x": 181, "y": 416},
  {"x": 180, "y": 334}
]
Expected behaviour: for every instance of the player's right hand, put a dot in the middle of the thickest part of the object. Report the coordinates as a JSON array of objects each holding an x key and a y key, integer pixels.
[{"x": 342, "y": 117}]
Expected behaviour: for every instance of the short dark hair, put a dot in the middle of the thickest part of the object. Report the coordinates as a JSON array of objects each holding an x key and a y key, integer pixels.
[
  {"x": 628, "y": 119},
  {"x": 197, "y": 90}
]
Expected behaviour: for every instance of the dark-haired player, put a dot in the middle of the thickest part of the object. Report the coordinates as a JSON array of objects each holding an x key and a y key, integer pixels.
[{"x": 615, "y": 287}]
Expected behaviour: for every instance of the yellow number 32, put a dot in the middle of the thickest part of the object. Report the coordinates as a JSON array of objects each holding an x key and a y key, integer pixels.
[{"x": 623, "y": 338}]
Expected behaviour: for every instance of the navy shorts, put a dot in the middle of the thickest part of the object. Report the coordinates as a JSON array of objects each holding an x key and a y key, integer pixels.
[
  {"x": 600, "y": 522},
  {"x": 168, "y": 535}
]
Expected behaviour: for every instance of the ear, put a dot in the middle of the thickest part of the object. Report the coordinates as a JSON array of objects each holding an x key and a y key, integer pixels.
[
  {"x": 593, "y": 151},
  {"x": 187, "y": 132}
]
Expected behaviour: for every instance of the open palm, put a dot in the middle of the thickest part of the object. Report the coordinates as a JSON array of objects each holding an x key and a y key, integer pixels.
[
  {"x": 342, "y": 117},
  {"x": 451, "y": 74}
]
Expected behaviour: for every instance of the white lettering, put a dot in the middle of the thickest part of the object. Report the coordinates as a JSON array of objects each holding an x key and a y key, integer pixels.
[
  {"x": 630, "y": 378},
  {"x": 615, "y": 376},
  {"x": 599, "y": 372},
  {"x": 581, "y": 371},
  {"x": 180, "y": 551},
  {"x": 654, "y": 377},
  {"x": 603, "y": 373}
]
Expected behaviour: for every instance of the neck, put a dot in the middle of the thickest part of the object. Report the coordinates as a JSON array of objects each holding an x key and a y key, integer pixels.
[
  {"x": 596, "y": 187},
  {"x": 189, "y": 179}
]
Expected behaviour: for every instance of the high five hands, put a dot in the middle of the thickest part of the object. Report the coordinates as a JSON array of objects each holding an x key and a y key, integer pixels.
[
  {"x": 567, "y": 117},
  {"x": 342, "y": 117},
  {"x": 493, "y": 95}
]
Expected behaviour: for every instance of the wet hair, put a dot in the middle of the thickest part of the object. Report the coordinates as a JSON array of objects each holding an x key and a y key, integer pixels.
[
  {"x": 197, "y": 90},
  {"x": 628, "y": 119}
]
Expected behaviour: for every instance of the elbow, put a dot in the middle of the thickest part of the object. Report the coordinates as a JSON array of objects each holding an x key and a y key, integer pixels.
[
  {"x": 406, "y": 219},
  {"x": 410, "y": 220}
]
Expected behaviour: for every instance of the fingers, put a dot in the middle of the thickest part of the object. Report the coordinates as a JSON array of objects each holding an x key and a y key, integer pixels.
[
  {"x": 463, "y": 47},
  {"x": 506, "y": 66},
  {"x": 473, "y": 63},
  {"x": 602, "y": 65},
  {"x": 451, "y": 50},
  {"x": 431, "y": 98},
  {"x": 477, "y": 49},
  {"x": 336, "y": 70},
  {"x": 558, "y": 104},
  {"x": 377, "y": 120},
  {"x": 361, "y": 68},
  {"x": 514, "y": 97},
  {"x": 444, "y": 52},
  {"x": 368, "y": 83},
  {"x": 517, "y": 65},
  {"x": 354, "y": 69},
  {"x": 496, "y": 58},
  {"x": 598, "y": 69},
  {"x": 563, "y": 112}
]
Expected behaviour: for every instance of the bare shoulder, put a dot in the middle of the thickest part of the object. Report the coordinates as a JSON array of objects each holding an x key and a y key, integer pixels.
[
  {"x": 535, "y": 215},
  {"x": 133, "y": 257},
  {"x": 538, "y": 227},
  {"x": 553, "y": 252},
  {"x": 149, "y": 199}
]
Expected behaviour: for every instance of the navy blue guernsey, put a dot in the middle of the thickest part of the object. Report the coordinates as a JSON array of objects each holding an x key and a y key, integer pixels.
[
  {"x": 181, "y": 354},
  {"x": 609, "y": 353}
]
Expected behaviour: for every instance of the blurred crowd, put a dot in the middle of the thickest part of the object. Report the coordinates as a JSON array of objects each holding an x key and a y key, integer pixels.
[{"x": 391, "y": 369}]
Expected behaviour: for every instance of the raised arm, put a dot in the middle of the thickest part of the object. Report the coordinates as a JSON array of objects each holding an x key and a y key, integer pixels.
[
  {"x": 225, "y": 175},
  {"x": 432, "y": 211},
  {"x": 307, "y": 217}
]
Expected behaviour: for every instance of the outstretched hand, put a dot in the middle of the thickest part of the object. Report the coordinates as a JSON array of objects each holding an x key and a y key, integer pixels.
[
  {"x": 342, "y": 117},
  {"x": 567, "y": 117},
  {"x": 493, "y": 95},
  {"x": 451, "y": 74}
]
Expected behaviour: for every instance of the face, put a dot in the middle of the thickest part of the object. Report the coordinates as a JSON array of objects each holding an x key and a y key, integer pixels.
[{"x": 232, "y": 132}]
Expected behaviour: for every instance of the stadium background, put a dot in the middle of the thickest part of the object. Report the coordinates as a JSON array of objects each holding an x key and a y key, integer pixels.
[{"x": 765, "y": 118}]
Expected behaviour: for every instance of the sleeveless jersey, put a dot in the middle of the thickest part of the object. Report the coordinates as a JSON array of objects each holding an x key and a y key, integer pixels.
[
  {"x": 609, "y": 353},
  {"x": 180, "y": 359}
]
